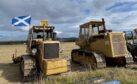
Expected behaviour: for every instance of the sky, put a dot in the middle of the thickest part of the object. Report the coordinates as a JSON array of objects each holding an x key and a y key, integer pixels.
[{"x": 66, "y": 15}]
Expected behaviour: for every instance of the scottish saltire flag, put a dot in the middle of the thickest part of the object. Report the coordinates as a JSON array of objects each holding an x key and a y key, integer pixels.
[{"x": 21, "y": 21}]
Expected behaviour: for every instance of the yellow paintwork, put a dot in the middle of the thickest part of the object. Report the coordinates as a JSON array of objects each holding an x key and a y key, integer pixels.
[
  {"x": 106, "y": 45},
  {"x": 102, "y": 45},
  {"x": 44, "y": 23},
  {"x": 48, "y": 41},
  {"x": 83, "y": 59},
  {"x": 51, "y": 66},
  {"x": 41, "y": 40},
  {"x": 54, "y": 66}
]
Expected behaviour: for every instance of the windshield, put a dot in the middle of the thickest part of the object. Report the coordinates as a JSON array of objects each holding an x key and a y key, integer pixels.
[{"x": 37, "y": 35}]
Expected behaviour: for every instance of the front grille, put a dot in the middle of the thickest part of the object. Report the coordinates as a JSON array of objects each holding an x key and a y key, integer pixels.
[
  {"x": 51, "y": 50},
  {"x": 118, "y": 44}
]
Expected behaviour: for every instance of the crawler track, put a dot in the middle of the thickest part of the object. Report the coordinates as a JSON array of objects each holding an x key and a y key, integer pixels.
[{"x": 92, "y": 59}]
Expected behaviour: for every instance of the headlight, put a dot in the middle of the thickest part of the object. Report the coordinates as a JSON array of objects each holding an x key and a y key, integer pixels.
[
  {"x": 105, "y": 34},
  {"x": 34, "y": 50}
]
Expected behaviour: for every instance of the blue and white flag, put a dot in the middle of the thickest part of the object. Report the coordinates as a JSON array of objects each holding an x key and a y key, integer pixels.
[{"x": 21, "y": 21}]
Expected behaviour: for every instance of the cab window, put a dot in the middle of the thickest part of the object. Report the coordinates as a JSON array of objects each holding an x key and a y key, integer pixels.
[{"x": 37, "y": 35}]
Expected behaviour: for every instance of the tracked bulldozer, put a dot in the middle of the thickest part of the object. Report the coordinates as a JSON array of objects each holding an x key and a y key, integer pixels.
[
  {"x": 100, "y": 47},
  {"x": 43, "y": 54}
]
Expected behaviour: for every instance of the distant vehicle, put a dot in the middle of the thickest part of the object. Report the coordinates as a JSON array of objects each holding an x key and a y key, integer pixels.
[{"x": 131, "y": 43}]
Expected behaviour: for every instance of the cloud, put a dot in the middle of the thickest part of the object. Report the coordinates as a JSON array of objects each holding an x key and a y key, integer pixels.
[
  {"x": 58, "y": 32},
  {"x": 123, "y": 7},
  {"x": 67, "y": 15}
]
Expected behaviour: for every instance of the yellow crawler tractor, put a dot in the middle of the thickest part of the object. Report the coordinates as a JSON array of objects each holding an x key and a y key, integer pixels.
[
  {"x": 43, "y": 58},
  {"x": 100, "y": 47}
]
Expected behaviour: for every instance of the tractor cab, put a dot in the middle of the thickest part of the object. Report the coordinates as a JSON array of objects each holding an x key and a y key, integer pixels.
[
  {"x": 93, "y": 28},
  {"x": 129, "y": 36},
  {"x": 90, "y": 31},
  {"x": 131, "y": 43},
  {"x": 40, "y": 35}
]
